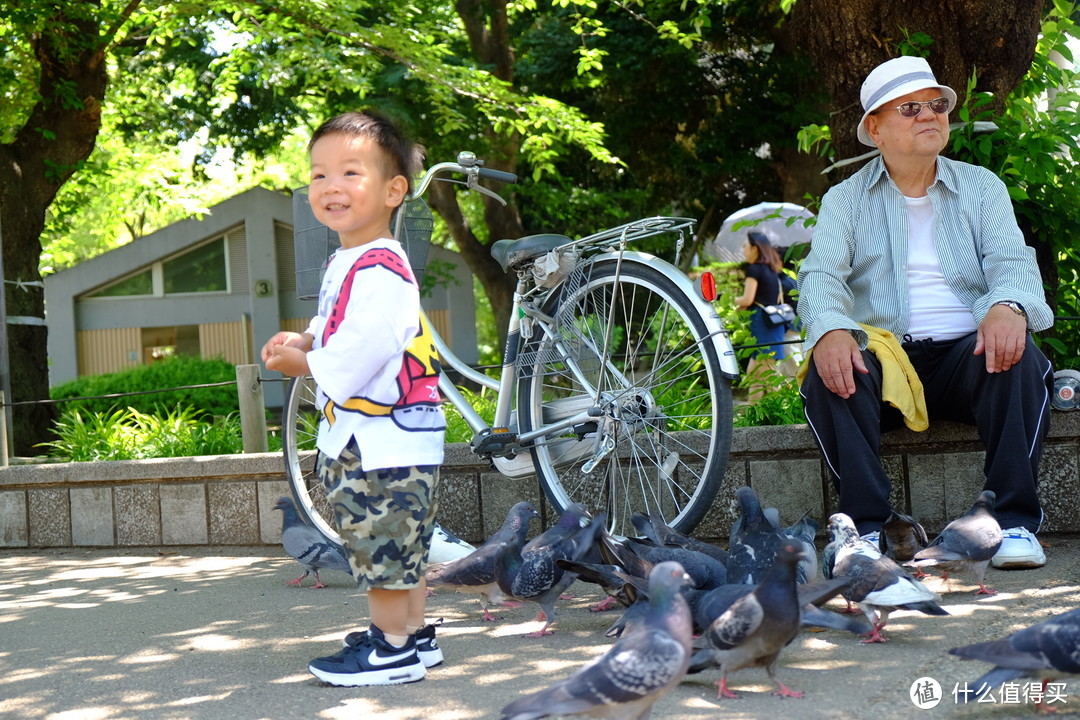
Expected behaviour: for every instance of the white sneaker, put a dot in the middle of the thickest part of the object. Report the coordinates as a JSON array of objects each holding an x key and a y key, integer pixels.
[
  {"x": 872, "y": 537},
  {"x": 1019, "y": 549}
]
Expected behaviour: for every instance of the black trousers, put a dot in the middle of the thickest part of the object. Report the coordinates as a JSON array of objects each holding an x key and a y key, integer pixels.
[{"x": 1011, "y": 410}]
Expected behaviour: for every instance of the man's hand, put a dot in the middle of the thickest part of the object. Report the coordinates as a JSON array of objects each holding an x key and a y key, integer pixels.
[
  {"x": 835, "y": 354},
  {"x": 1002, "y": 336}
]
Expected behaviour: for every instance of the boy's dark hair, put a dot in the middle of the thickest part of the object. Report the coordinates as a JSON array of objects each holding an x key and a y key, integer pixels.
[{"x": 400, "y": 155}]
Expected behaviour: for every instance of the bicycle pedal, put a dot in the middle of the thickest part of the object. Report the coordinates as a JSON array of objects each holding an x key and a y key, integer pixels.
[{"x": 496, "y": 442}]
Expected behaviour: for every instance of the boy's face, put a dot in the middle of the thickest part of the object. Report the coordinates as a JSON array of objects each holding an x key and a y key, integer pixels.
[{"x": 350, "y": 192}]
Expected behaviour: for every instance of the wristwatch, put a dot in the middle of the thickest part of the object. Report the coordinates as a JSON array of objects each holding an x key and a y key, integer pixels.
[{"x": 1014, "y": 306}]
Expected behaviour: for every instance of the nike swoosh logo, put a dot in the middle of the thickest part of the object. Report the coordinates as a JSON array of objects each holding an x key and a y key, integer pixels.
[{"x": 375, "y": 659}]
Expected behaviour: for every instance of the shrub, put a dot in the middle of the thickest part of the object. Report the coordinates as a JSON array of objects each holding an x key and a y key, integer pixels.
[
  {"x": 84, "y": 436},
  {"x": 175, "y": 372}
]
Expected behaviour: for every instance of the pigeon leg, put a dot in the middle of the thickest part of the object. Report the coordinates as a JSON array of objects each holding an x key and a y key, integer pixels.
[
  {"x": 983, "y": 590},
  {"x": 722, "y": 690},
  {"x": 298, "y": 581},
  {"x": 785, "y": 691},
  {"x": 488, "y": 617},
  {"x": 541, "y": 632},
  {"x": 607, "y": 603},
  {"x": 512, "y": 603},
  {"x": 318, "y": 582},
  {"x": 874, "y": 636}
]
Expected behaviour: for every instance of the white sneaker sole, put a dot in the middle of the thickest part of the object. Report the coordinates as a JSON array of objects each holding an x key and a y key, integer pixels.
[
  {"x": 390, "y": 676},
  {"x": 431, "y": 658},
  {"x": 1020, "y": 562}
]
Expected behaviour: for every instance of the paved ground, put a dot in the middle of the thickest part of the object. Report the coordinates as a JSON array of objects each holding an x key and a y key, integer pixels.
[{"x": 215, "y": 633}]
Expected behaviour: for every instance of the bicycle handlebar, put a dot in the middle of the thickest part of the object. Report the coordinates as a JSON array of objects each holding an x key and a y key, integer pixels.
[
  {"x": 473, "y": 169},
  {"x": 498, "y": 176}
]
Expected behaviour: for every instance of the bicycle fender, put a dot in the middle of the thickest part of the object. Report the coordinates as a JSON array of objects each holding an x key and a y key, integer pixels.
[{"x": 721, "y": 338}]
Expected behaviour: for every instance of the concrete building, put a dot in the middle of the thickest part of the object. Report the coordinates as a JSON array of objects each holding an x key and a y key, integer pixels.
[{"x": 215, "y": 286}]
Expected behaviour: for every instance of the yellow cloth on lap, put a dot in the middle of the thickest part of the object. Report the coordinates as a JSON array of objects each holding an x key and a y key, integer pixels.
[{"x": 900, "y": 384}]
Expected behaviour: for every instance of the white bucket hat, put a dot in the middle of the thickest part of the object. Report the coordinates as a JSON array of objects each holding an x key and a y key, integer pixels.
[{"x": 895, "y": 78}]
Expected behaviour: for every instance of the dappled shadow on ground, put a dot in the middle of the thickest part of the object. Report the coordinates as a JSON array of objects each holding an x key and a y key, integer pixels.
[{"x": 95, "y": 634}]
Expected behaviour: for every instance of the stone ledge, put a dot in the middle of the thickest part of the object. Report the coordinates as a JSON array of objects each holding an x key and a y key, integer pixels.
[{"x": 227, "y": 500}]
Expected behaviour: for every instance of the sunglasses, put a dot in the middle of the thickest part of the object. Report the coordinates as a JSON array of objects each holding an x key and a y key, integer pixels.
[{"x": 912, "y": 108}]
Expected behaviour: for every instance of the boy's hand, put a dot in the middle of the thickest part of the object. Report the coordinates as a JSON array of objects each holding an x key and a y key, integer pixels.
[{"x": 286, "y": 352}]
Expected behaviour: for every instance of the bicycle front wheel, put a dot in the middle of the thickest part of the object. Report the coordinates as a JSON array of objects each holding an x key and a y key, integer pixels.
[
  {"x": 634, "y": 346},
  {"x": 299, "y": 428}
]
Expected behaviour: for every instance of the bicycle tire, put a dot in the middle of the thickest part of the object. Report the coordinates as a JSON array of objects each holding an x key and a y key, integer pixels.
[
  {"x": 299, "y": 428},
  {"x": 668, "y": 405}
]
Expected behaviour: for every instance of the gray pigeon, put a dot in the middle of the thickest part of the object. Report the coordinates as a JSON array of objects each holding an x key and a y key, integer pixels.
[
  {"x": 877, "y": 584},
  {"x": 1047, "y": 650},
  {"x": 308, "y": 545},
  {"x": 753, "y": 631},
  {"x": 475, "y": 573},
  {"x": 901, "y": 537},
  {"x": 711, "y": 604},
  {"x": 966, "y": 544},
  {"x": 533, "y": 576},
  {"x": 639, "y": 669},
  {"x": 804, "y": 531},
  {"x": 653, "y": 527},
  {"x": 754, "y": 540}
]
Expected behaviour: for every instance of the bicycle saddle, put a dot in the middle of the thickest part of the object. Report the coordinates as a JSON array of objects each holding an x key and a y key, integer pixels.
[{"x": 510, "y": 253}]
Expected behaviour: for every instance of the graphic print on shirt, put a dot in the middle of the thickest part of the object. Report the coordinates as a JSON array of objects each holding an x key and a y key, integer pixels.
[{"x": 417, "y": 406}]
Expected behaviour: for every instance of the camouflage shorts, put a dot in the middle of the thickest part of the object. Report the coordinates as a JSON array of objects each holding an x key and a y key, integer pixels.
[{"x": 385, "y": 517}]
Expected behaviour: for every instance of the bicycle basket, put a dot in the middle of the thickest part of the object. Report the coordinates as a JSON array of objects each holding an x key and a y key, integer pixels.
[{"x": 314, "y": 243}]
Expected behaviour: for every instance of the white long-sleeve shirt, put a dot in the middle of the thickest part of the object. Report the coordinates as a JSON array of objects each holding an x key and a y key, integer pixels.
[{"x": 373, "y": 361}]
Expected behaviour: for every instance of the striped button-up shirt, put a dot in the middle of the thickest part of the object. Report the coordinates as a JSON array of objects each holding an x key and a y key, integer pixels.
[{"x": 856, "y": 271}]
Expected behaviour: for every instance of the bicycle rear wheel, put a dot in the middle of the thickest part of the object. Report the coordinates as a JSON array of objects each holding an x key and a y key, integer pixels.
[
  {"x": 299, "y": 428},
  {"x": 666, "y": 413}
]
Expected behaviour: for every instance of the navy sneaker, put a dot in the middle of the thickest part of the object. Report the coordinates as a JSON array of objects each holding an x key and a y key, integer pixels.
[
  {"x": 370, "y": 660},
  {"x": 427, "y": 647}
]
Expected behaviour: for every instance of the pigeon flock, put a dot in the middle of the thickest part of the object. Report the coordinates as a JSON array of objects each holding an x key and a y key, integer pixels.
[{"x": 690, "y": 607}]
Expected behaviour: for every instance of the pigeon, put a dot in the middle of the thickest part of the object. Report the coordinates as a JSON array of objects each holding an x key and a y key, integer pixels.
[
  {"x": 1046, "y": 650},
  {"x": 804, "y": 531},
  {"x": 966, "y": 544},
  {"x": 533, "y": 575},
  {"x": 711, "y": 604},
  {"x": 877, "y": 584},
  {"x": 756, "y": 627},
  {"x": 610, "y": 578},
  {"x": 310, "y": 548},
  {"x": 754, "y": 540},
  {"x": 654, "y": 528},
  {"x": 446, "y": 546},
  {"x": 704, "y": 570},
  {"x": 901, "y": 537},
  {"x": 475, "y": 572},
  {"x": 639, "y": 669}
]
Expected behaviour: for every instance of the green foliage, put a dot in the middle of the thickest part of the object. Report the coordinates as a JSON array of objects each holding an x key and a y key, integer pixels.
[
  {"x": 1034, "y": 151},
  {"x": 88, "y": 436},
  {"x": 457, "y": 430},
  {"x": 781, "y": 406},
  {"x": 175, "y": 372}
]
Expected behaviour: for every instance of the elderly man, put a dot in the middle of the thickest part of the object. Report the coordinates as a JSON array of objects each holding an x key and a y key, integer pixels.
[{"x": 928, "y": 249}]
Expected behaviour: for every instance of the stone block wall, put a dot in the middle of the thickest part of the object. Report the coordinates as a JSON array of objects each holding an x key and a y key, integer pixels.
[{"x": 228, "y": 500}]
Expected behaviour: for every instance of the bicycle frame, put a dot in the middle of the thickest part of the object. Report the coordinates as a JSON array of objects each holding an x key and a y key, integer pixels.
[{"x": 517, "y": 463}]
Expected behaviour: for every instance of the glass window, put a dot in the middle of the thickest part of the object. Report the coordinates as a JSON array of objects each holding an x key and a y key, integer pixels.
[
  {"x": 201, "y": 270},
  {"x": 140, "y": 284}
]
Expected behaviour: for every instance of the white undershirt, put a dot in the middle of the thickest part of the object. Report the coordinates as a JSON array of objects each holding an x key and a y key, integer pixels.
[{"x": 935, "y": 311}]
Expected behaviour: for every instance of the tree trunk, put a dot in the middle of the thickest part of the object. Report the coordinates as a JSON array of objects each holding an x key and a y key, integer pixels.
[
  {"x": 848, "y": 38},
  {"x": 56, "y": 139},
  {"x": 487, "y": 28}
]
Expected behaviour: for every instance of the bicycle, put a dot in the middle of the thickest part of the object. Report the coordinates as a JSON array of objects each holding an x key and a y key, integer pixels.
[{"x": 620, "y": 366}]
